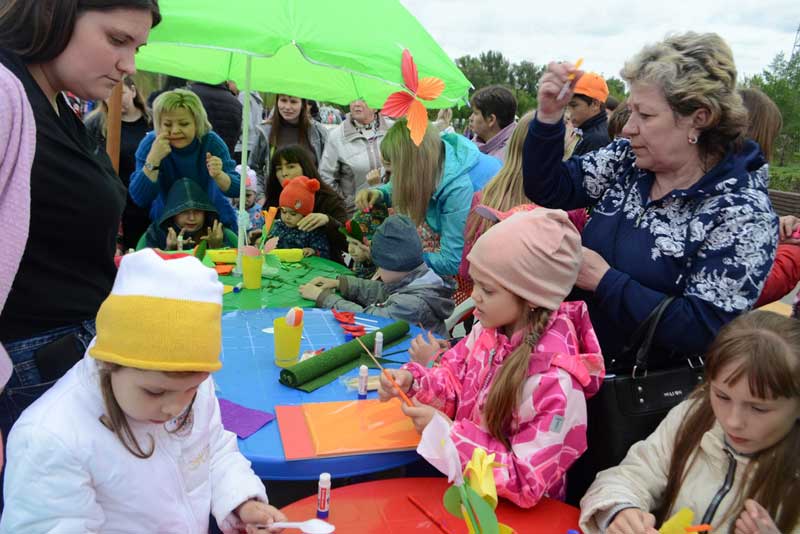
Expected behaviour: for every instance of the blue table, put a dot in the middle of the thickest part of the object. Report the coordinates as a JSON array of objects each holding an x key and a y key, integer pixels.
[{"x": 249, "y": 377}]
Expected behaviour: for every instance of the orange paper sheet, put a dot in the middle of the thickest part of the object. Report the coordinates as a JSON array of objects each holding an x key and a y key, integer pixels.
[
  {"x": 345, "y": 428},
  {"x": 358, "y": 427},
  {"x": 296, "y": 440}
]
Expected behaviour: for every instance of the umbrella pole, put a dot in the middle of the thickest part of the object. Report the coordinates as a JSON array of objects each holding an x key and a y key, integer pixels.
[
  {"x": 244, "y": 218},
  {"x": 114, "y": 126}
]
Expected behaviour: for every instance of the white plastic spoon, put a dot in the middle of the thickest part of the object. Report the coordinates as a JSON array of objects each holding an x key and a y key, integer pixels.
[{"x": 311, "y": 526}]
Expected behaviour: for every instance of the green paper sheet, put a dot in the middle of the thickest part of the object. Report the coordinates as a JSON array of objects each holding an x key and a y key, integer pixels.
[{"x": 331, "y": 364}]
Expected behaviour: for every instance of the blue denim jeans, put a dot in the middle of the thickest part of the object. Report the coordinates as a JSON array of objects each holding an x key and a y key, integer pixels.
[{"x": 25, "y": 384}]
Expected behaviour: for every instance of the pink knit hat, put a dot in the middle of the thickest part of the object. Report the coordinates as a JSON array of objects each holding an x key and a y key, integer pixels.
[{"x": 534, "y": 254}]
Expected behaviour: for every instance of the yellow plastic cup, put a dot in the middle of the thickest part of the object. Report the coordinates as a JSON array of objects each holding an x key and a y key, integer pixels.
[
  {"x": 287, "y": 342},
  {"x": 251, "y": 271}
]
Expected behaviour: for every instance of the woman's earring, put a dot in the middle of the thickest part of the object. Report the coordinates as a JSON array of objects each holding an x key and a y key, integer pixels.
[{"x": 692, "y": 139}]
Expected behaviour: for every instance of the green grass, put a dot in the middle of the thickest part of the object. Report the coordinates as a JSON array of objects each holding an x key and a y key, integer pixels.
[{"x": 785, "y": 178}]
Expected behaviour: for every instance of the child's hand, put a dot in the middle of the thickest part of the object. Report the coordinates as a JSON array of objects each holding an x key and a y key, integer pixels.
[
  {"x": 403, "y": 378},
  {"x": 423, "y": 351},
  {"x": 420, "y": 414},
  {"x": 374, "y": 177},
  {"x": 633, "y": 520},
  {"x": 254, "y": 236},
  {"x": 310, "y": 292},
  {"x": 172, "y": 239},
  {"x": 215, "y": 235},
  {"x": 256, "y": 515},
  {"x": 308, "y": 251},
  {"x": 787, "y": 225},
  {"x": 324, "y": 283},
  {"x": 366, "y": 198},
  {"x": 754, "y": 519},
  {"x": 312, "y": 221},
  {"x": 214, "y": 165}
]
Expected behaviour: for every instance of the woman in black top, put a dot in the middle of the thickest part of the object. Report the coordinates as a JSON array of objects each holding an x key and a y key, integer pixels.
[
  {"x": 85, "y": 47},
  {"x": 135, "y": 125}
]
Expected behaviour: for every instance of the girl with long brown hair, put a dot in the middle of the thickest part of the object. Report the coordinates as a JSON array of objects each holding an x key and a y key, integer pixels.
[
  {"x": 729, "y": 452},
  {"x": 517, "y": 385},
  {"x": 432, "y": 184}
]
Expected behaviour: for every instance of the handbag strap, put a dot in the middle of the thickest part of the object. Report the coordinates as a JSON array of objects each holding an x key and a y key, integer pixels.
[{"x": 642, "y": 338}]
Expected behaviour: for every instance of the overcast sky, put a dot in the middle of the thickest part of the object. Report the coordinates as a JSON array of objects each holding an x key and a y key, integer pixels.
[{"x": 606, "y": 32}]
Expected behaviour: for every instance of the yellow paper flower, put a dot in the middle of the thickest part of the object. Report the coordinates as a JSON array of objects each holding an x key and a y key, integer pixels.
[{"x": 480, "y": 475}]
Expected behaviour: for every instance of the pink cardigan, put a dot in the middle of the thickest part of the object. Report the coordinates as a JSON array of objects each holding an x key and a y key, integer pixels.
[
  {"x": 548, "y": 431},
  {"x": 17, "y": 146}
]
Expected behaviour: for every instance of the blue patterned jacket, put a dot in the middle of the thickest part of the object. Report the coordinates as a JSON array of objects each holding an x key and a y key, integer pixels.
[{"x": 711, "y": 245}]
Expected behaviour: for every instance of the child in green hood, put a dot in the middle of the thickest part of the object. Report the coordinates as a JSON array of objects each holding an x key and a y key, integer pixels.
[{"x": 188, "y": 218}]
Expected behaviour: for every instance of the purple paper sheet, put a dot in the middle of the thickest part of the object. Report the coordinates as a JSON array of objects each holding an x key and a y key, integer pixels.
[{"x": 241, "y": 420}]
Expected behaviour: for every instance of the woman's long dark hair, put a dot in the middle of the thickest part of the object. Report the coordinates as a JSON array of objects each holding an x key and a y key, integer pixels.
[
  {"x": 303, "y": 124},
  {"x": 39, "y": 30},
  {"x": 290, "y": 154}
]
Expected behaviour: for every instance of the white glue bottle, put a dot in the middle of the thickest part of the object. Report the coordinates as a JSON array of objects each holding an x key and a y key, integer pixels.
[
  {"x": 324, "y": 496},
  {"x": 378, "y": 345},
  {"x": 363, "y": 377}
]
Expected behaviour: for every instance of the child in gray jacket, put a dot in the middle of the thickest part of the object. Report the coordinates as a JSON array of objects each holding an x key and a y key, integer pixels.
[{"x": 408, "y": 289}]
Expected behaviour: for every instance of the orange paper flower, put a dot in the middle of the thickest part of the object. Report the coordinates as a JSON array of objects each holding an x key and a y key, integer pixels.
[{"x": 407, "y": 103}]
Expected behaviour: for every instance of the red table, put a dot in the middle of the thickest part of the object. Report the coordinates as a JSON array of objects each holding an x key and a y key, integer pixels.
[{"x": 383, "y": 507}]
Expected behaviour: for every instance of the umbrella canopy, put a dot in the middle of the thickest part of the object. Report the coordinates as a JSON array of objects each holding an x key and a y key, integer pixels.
[{"x": 334, "y": 51}]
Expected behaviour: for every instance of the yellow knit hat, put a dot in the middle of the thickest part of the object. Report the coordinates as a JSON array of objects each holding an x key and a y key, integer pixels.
[{"x": 161, "y": 315}]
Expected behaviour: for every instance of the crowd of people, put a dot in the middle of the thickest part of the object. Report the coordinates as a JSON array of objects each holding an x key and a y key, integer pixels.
[{"x": 565, "y": 229}]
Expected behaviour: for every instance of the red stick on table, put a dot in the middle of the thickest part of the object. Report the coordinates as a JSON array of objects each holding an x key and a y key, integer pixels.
[{"x": 429, "y": 515}]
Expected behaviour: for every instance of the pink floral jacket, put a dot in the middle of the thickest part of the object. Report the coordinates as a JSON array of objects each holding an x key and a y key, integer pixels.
[{"x": 548, "y": 430}]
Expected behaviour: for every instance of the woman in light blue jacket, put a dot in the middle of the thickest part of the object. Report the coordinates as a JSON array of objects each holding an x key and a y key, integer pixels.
[{"x": 432, "y": 184}]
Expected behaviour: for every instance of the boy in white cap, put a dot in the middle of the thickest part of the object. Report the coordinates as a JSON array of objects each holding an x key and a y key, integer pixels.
[{"x": 130, "y": 439}]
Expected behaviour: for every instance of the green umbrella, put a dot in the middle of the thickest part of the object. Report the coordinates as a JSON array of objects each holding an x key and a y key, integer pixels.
[{"x": 329, "y": 50}]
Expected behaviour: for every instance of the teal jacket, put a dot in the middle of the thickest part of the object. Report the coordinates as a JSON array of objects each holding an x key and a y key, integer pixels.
[{"x": 449, "y": 205}]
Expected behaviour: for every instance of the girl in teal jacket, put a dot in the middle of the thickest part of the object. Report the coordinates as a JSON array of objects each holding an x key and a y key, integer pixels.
[{"x": 432, "y": 184}]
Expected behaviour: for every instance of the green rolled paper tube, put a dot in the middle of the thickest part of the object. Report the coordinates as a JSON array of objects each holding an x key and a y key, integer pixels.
[{"x": 305, "y": 371}]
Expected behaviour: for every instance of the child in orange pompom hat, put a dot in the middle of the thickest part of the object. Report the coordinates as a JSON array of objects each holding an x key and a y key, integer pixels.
[{"x": 297, "y": 201}]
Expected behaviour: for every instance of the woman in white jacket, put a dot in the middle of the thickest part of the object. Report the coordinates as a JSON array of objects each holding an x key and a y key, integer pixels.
[
  {"x": 130, "y": 439},
  {"x": 729, "y": 453}
]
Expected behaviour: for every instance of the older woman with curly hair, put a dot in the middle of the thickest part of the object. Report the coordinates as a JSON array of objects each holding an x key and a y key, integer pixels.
[{"x": 678, "y": 208}]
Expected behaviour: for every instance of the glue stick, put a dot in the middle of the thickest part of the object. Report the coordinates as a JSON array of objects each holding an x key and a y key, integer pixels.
[
  {"x": 363, "y": 376},
  {"x": 324, "y": 495},
  {"x": 378, "y": 344}
]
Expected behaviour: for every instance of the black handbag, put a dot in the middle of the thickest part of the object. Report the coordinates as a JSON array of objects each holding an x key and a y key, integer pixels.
[{"x": 631, "y": 403}]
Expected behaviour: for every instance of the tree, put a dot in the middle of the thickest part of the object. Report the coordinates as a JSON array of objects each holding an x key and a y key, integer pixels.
[
  {"x": 497, "y": 67},
  {"x": 526, "y": 76},
  {"x": 616, "y": 88},
  {"x": 474, "y": 70},
  {"x": 781, "y": 82}
]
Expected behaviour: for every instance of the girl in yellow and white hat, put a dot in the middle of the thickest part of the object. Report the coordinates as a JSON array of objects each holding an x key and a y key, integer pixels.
[{"x": 130, "y": 439}]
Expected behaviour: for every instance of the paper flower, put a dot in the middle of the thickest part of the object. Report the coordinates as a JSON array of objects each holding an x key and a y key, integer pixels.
[
  {"x": 480, "y": 475},
  {"x": 407, "y": 103},
  {"x": 438, "y": 448}
]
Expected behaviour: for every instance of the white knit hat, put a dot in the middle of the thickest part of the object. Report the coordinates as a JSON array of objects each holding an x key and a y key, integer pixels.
[{"x": 162, "y": 314}]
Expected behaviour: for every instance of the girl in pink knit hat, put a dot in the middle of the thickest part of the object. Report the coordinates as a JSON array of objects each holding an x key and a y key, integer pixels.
[{"x": 517, "y": 385}]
